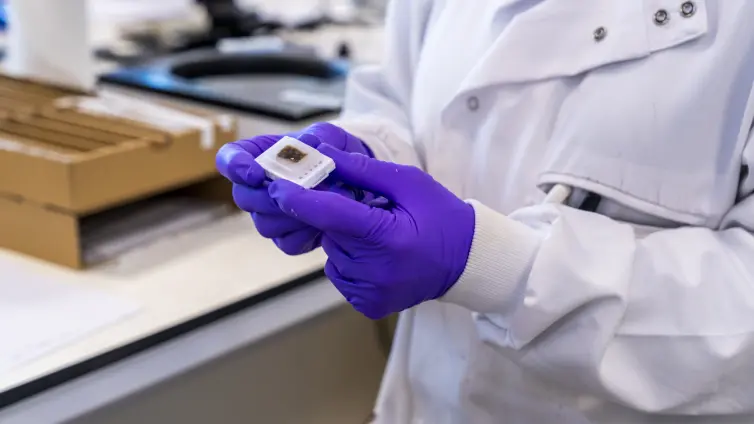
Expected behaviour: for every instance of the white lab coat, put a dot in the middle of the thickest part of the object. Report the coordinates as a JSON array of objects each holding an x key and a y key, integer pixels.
[{"x": 641, "y": 311}]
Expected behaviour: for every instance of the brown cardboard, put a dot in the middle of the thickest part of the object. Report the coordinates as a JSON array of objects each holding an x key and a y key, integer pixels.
[
  {"x": 60, "y": 162},
  {"x": 41, "y": 232},
  {"x": 54, "y": 235}
]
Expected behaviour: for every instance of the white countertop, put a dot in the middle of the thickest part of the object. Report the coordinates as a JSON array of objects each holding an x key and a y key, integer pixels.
[
  {"x": 187, "y": 276},
  {"x": 174, "y": 280}
]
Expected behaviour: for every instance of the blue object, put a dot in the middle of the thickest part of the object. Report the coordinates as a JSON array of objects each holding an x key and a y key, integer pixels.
[
  {"x": 3, "y": 16},
  {"x": 289, "y": 85}
]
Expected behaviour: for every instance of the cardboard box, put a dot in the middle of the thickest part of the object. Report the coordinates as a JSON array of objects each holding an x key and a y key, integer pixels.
[{"x": 66, "y": 157}]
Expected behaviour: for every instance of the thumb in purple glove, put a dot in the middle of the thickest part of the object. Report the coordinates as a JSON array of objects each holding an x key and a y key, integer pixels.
[{"x": 385, "y": 260}]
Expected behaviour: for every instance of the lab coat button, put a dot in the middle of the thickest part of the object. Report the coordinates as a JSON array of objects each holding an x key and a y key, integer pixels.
[
  {"x": 472, "y": 103},
  {"x": 600, "y": 34},
  {"x": 688, "y": 9},
  {"x": 661, "y": 17}
]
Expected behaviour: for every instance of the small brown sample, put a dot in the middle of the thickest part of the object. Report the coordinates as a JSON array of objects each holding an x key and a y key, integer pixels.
[{"x": 292, "y": 154}]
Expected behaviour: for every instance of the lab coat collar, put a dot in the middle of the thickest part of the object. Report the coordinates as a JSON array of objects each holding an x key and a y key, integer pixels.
[{"x": 554, "y": 38}]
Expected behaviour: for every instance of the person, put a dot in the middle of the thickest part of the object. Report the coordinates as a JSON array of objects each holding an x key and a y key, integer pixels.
[{"x": 602, "y": 270}]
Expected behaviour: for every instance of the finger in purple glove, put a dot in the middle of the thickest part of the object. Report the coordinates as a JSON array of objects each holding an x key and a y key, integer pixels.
[
  {"x": 236, "y": 161},
  {"x": 357, "y": 293},
  {"x": 273, "y": 226},
  {"x": 325, "y": 132},
  {"x": 252, "y": 199},
  {"x": 326, "y": 210},
  {"x": 299, "y": 242}
]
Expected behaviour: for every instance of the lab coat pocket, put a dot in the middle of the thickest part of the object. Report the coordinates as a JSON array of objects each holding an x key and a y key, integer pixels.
[
  {"x": 648, "y": 119},
  {"x": 559, "y": 38},
  {"x": 663, "y": 135}
]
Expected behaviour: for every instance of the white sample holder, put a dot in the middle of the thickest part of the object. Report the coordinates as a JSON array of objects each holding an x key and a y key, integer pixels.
[{"x": 297, "y": 162}]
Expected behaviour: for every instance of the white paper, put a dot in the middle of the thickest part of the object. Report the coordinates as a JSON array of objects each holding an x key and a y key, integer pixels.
[
  {"x": 39, "y": 315},
  {"x": 48, "y": 40},
  {"x": 157, "y": 115},
  {"x": 136, "y": 11}
]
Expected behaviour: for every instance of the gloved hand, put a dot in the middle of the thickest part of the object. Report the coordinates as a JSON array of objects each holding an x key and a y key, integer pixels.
[
  {"x": 385, "y": 260},
  {"x": 236, "y": 161}
]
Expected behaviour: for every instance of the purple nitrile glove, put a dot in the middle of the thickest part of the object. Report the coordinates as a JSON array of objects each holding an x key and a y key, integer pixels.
[
  {"x": 236, "y": 161},
  {"x": 388, "y": 259}
]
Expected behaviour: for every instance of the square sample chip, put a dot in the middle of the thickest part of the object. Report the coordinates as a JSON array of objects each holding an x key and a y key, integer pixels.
[{"x": 297, "y": 162}]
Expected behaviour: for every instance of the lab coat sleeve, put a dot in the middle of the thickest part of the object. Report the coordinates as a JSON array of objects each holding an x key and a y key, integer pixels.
[
  {"x": 660, "y": 320},
  {"x": 378, "y": 97}
]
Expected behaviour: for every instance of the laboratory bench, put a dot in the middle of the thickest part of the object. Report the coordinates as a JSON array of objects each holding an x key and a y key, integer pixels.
[
  {"x": 228, "y": 329},
  {"x": 204, "y": 295}
]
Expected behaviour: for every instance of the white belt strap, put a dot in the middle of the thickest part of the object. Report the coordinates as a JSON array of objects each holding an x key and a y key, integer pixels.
[{"x": 558, "y": 194}]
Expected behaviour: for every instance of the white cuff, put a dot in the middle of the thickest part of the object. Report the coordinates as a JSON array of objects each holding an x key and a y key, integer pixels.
[{"x": 502, "y": 252}]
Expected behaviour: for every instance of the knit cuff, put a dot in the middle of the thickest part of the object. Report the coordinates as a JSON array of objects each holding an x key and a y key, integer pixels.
[{"x": 502, "y": 252}]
